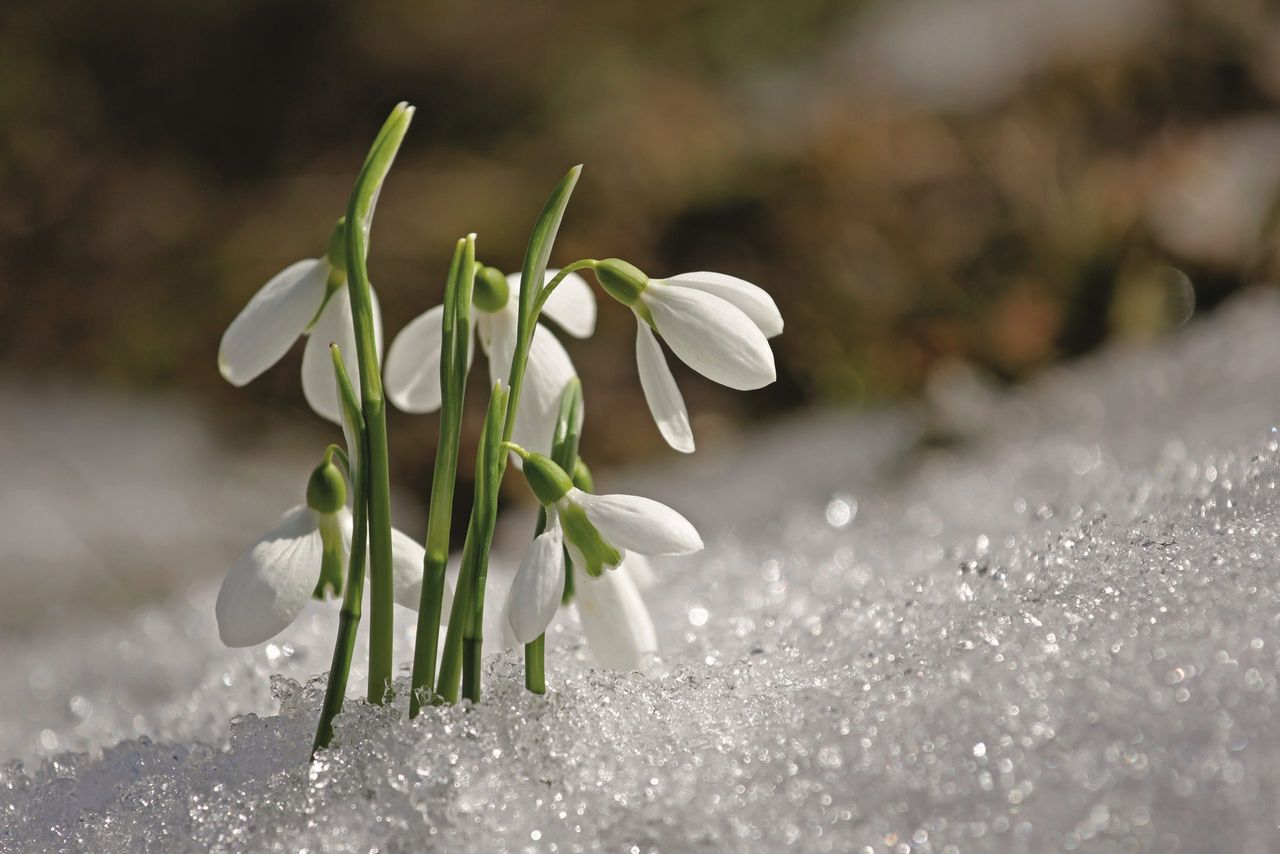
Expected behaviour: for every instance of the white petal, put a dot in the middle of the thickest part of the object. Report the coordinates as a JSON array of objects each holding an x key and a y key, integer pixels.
[
  {"x": 661, "y": 392},
  {"x": 752, "y": 300},
  {"x": 412, "y": 372},
  {"x": 406, "y": 569},
  {"x": 347, "y": 525},
  {"x": 537, "y": 587},
  {"x": 547, "y": 373},
  {"x": 641, "y": 571},
  {"x": 572, "y": 305},
  {"x": 267, "y": 327},
  {"x": 497, "y": 333},
  {"x": 615, "y": 620},
  {"x": 268, "y": 586},
  {"x": 639, "y": 524},
  {"x": 509, "y": 639},
  {"x": 334, "y": 326},
  {"x": 712, "y": 336}
]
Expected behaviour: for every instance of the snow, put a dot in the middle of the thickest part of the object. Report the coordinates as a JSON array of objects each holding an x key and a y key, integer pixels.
[{"x": 1052, "y": 628}]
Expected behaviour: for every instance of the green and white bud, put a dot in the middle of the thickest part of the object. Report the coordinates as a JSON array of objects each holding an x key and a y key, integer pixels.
[
  {"x": 491, "y": 290},
  {"x": 621, "y": 280},
  {"x": 327, "y": 489},
  {"x": 547, "y": 480}
]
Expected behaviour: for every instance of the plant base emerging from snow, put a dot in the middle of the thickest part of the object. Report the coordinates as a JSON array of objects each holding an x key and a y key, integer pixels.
[{"x": 588, "y": 549}]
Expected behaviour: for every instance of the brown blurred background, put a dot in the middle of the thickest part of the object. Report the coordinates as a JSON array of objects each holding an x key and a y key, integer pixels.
[{"x": 920, "y": 183}]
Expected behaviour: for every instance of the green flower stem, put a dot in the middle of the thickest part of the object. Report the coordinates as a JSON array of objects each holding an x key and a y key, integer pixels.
[
  {"x": 535, "y": 665},
  {"x": 359, "y": 218},
  {"x": 564, "y": 453},
  {"x": 335, "y": 691},
  {"x": 334, "y": 451},
  {"x": 455, "y": 339},
  {"x": 467, "y": 615},
  {"x": 449, "y": 682},
  {"x": 567, "y": 598},
  {"x": 550, "y": 287},
  {"x": 489, "y": 470}
]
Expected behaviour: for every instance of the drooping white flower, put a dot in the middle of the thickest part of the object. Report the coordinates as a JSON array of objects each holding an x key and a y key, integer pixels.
[
  {"x": 306, "y": 298},
  {"x": 600, "y": 529},
  {"x": 270, "y": 583},
  {"x": 268, "y": 586},
  {"x": 716, "y": 324},
  {"x": 615, "y": 621},
  {"x": 412, "y": 375},
  {"x": 614, "y": 618}
]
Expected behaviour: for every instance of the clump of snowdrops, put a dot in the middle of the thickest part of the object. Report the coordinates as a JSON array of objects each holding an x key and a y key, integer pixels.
[{"x": 589, "y": 549}]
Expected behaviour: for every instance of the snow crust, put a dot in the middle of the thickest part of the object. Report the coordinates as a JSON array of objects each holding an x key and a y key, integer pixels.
[{"x": 1050, "y": 625}]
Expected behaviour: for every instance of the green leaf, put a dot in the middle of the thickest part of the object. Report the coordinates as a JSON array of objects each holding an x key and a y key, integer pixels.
[
  {"x": 564, "y": 441},
  {"x": 543, "y": 238},
  {"x": 532, "y": 277}
]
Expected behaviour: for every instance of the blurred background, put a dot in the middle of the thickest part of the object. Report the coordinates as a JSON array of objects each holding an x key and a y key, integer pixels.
[{"x": 930, "y": 189}]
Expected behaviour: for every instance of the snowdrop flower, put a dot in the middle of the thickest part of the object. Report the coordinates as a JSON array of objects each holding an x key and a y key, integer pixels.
[
  {"x": 615, "y": 621},
  {"x": 304, "y": 556},
  {"x": 412, "y": 376},
  {"x": 617, "y": 626},
  {"x": 308, "y": 298},
  {"x": 597, "y": 530},
  {"x": 717, "y": 324}
]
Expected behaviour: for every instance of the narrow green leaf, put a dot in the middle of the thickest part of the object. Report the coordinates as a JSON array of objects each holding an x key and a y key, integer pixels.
[
  {"x": 453, "y": 377},
  {"x": 364, "y": 196},
  {"x": 543, "y": 238},
  {"x": 532, "y": 276}
]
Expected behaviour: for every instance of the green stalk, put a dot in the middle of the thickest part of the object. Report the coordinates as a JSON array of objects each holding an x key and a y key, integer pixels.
[
  {"x": 487, "y": 514},
  {"x": 535, "y": 665},
  {"x": 449, "y": 682},
  {"x": 455, "y": 340},
  {"x": 462, "y": 655},
  {"x": 359, "y": 218},
  {"x": 460, "y": 666},
  {"x": 564, "y": 452},
  {"x": 335, "y": 691},
  {"x": 549, "y": 289}
]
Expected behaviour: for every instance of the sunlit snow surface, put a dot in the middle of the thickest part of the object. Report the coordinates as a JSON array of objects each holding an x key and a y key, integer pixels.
[{"x": 1061, "y": 633}]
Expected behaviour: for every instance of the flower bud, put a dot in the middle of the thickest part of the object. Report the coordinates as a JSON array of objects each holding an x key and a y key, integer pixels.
[
  {"x": 621, "y": 280},
  {"x": 547, "y": 480},
  {"x": 327, "y": 489},
  {"x": 491, "y": 291}
]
